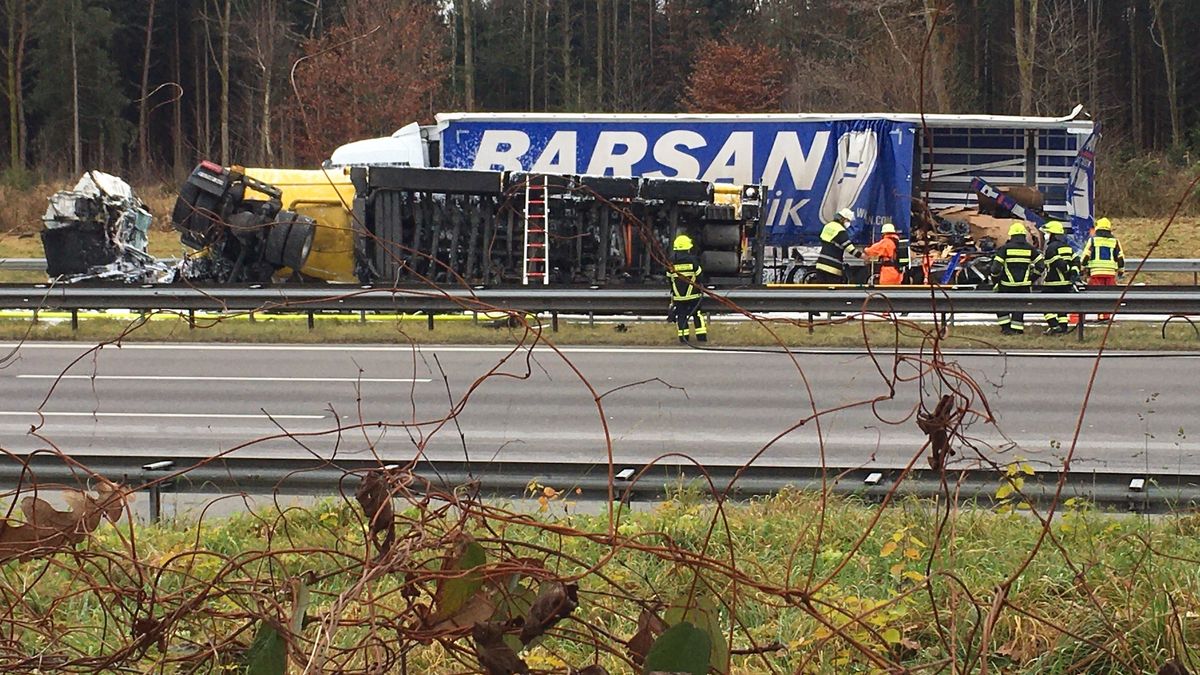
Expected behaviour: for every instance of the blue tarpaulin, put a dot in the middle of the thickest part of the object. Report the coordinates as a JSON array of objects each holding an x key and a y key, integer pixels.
[{"x": 811, "y": 168}]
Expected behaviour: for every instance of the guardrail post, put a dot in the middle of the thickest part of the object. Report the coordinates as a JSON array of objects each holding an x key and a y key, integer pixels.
[
  {"x": 591, "y": 319},
  {"x": 810, "y": 323},
  {"x": 156, "y": 488},
  {"x": 362, "y": 316},
  {"x": 1082, "y": 320},
  {"x": 74, "y": 320},
  {"x": 312, "y": 323},
  {"x": 191, "y": 319},
  {"x": 554, "y": 322},
  {"x": 429, "y": 319}
]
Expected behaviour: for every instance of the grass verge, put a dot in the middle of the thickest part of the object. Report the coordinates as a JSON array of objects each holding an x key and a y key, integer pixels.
[
  {"x": 801, "y": 585},
  {"x": 331, "y": 329}
]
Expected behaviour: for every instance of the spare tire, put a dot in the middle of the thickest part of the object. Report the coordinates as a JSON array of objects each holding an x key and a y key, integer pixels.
[
  {"x": 722, "y": 236},
  {"x": 299, "y": 242},
  {"x": 719, "y": 262}
]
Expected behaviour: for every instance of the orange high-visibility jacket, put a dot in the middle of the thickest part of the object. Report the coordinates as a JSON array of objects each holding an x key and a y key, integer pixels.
[{"x": 890, "y": 273}]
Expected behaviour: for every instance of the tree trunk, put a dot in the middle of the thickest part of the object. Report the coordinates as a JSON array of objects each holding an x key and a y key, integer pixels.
[
  {"x": 77, "y": 141},
  {"x": 600, "y": 14},
  {"x": 10, "y": 56},
  {"x": 565, "y": 31},
  {"x": 143, "y": 104},
  {"x": 937, "y": 55},
  {"x": 1161, "y": 25},
  {"x": 468, "y": 19},
  {"x": 223, "y": 72},
  {"x": 1025, "y": 25},
  {"x": 1135, "y": 89},
  {"x": 177, "y": 119}
]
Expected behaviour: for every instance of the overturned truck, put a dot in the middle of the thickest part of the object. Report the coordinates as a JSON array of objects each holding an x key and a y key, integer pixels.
[{"x": 402, "y": 225}]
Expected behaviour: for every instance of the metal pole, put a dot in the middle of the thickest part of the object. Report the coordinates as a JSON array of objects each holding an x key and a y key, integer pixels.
[
  {"x": 157, "y": 487},
  {"x": 554, "y": 322},
  {"x": 429, "y": 319},
  {"x": 74, "y": 320},
  {"x": 311, "y": 320},
  {"x": 191, "y": 319}
]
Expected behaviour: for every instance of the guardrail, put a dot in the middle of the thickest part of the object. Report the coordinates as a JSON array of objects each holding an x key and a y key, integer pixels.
[
  {"x": 313, "y": 299},
  {"x": 581, "y": 301},
  {"x": 1136, "y": 492},
  {"x": 1180, "y": 265}
]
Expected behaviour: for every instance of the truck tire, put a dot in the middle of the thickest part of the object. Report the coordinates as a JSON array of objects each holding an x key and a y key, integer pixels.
[
  {"x": 721, "y": 236},
  {"x": 719, "y": 262},
  {"x": 277, "y": 238},
  {"x": 299, "y": 242}
]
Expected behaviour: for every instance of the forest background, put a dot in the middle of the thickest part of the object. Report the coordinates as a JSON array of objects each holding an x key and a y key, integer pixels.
[{"x": 146, "y": 88}]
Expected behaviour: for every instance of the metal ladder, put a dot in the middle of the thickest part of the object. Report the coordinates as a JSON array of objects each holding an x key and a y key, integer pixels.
[{"x": 537, "y": 237}]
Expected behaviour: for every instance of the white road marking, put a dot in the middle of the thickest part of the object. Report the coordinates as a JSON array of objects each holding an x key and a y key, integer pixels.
[
  {"x": 224, "y": 378},
  {"x": 232, "y": 416}
]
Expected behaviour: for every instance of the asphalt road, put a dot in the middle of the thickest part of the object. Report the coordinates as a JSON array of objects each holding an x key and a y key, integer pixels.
[{"x": 158, "y": 401}]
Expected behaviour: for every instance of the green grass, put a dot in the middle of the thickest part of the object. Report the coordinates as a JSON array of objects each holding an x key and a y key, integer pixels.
[
  {"x": 1124, "y": 599},
  {"x": 461, "y": 330}
]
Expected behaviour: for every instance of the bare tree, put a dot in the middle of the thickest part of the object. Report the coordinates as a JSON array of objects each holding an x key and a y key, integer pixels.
[
  {"x": 17, "y": 15},
  {"x": 1025, "y": 30},
  {"x": 468, "y": 20},
  {"x": 1161, "y": 25},
  {"x": 143, "y": 103}
]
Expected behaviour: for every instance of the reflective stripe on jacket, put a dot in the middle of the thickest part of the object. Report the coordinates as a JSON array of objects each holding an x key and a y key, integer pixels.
[
  {"x": 835, "y": 243},
  {"x": 1103, "y": 255},
  {"x": 685, "y": 277},
  {"x": 1062, "y": 267},
  {"x": 1016, "y": 264}
]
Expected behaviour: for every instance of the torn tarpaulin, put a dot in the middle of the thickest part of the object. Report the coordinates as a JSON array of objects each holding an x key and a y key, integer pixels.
[{"x": 99, "y": 230}]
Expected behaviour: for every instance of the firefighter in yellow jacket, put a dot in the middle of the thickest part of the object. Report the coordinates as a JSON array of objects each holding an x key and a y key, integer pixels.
[
  {"x": 1062, "y": 271},
  {"x": 1014, "y": 267},
  {"x": 835, "y": 243},
  {"x": 686, "y": 290}
]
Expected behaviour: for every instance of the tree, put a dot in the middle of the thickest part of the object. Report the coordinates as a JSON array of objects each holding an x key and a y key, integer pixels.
[
  {"x": 732, "y": 77},
  {"x": 16, "y": 14},
  {"x": 77, "y": 89},
  {"x": 143, "y": 99},
  {"x": 382, "y": 68},
  {"x": 1025, "y": 32}
]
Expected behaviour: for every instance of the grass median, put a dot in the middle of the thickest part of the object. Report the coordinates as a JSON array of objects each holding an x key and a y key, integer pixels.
[
  {"x": 462, "y": 329},
  {"x": 797, "y": 583}
]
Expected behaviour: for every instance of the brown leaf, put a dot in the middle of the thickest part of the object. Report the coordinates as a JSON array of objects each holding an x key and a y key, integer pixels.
[
  {"x": 47, "y": 530},
  {"x": 496, "y": 657},
  {"x": 649, "y": 627},
  {"x": 1172, "y": 667},
  {"x": 556, "y": 601},
  {"x": 374, "y": 495}
]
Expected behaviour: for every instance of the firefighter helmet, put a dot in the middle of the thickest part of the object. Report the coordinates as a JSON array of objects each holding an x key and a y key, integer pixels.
[
  {"x": 887, "y": 228},
  {"x": 1053, "y": 227},
  {"x": 846, "y": 215},
  {"x": 682, "y": 243},
  {"x": 1017, "y": 228}
]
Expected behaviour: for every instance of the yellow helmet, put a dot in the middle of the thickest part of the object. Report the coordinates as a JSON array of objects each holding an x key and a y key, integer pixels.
[
  {"x": 887, "y": 228},
  {"x": 1053, "y": 227},
  {"x": 1103, "y": 224},
  {"x": 682, "y": 243},
  {"x": 1017, "y": 228}
]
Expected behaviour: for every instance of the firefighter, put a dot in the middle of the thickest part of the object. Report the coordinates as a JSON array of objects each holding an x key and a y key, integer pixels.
[
  {"x": 1103, "y": 258},
  {"x": 685, "y": 290},
  {"x": 1062, "y": 271},
  {"x": 887, "y": 252},
  {"x": 835, "y": 243},
  {"x": 1014, "y": 268}
]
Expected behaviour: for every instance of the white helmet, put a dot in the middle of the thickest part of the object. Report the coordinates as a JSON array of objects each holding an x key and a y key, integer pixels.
[
  {"x": 887, "y": 228},
  {"x": 846, "y": 215}
]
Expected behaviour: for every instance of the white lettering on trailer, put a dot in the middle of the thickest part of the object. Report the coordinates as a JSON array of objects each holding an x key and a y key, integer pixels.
[
  {"x": 559, "y": 155},
  {"x": 792, "y": 212},
  {"x": 668, "y": 154},
  {"x": 804, "y": 166},
  {"x": 501, "y": 150},
  {"x": 606, "y": 157},
  {"x": 735, "y": 161}
]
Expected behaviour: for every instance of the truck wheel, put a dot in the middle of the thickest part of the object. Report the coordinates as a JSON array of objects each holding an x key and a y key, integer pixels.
[
  {"x": 719, "y": 262},
  {"x": 299, "y": 243},
  {"x": 277, "y": 237},
  {"x": 722, "y": 236}
]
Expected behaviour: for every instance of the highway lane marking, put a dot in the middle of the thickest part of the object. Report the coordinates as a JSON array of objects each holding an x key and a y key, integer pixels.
[
  {"x": 226, "y": 378},
  {"x": 716, "y": 350},
  {"x": 231, "y": 416}
]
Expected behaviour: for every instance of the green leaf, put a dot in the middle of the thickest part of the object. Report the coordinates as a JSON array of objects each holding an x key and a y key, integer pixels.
[
  {"x": 453, "y": 593},
  {"x": 705, "y": 615},
  {"x": 891, "y": 636},
  {"x": 1005, "y": 490},
  {"x": 268, "y": 653},
  {"x": 683, "y": 648}
]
